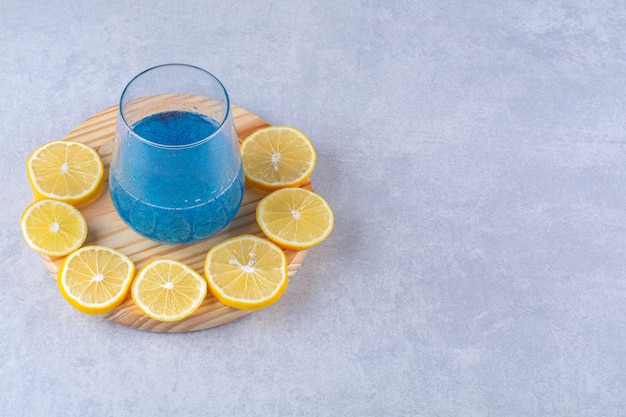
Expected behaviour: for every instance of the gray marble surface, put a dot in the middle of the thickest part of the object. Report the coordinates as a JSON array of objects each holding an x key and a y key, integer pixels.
[{"x": 474, "y": 153}]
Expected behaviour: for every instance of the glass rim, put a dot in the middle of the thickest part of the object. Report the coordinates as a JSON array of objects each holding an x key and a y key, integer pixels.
[{"x": 219, "y": 129}]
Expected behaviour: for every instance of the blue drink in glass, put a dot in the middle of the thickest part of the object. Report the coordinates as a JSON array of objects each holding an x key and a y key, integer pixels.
[{"x": 176, "y": 174}]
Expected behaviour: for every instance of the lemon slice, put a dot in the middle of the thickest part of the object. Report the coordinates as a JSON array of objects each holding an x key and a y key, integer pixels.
[
  {"x": 168, "y": 290},
  {"x": 67, "y": 171},
  {"x": 246, "y": 272},
  {"x": 276, "y": 157},
  {"x": 53, "y": 228},
  {"x": 295, "y": 218},
  {"x": 95, "y": 279}
]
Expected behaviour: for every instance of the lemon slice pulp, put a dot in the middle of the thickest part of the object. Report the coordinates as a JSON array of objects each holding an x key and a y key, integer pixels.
[
  {"x": 295, "y": 218},
  {"x": 66, "y": 171},
  {"x": 276, "y": 157},
  {"x": 95, "y": 279},
  {"x": 246, "y": 272},
  {"x": 168, "y": 290},
  {"x": 53, "y": 228}
]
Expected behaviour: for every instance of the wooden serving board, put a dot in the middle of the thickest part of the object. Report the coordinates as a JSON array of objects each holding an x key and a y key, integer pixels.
[{"x": 107, "y": 228}]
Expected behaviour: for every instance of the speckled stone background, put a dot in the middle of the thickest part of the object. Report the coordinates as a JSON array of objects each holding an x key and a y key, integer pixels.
[{"x": 474, "y": 153}]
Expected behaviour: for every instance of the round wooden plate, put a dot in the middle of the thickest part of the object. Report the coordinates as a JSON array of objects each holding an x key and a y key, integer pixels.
[{"x": 107, "y": 228}]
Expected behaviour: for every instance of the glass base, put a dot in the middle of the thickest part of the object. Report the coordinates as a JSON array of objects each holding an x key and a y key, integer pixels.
[{"x": 177, "y": 225}]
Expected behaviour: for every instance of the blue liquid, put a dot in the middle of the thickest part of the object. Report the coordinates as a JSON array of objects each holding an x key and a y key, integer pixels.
[{"x": 176, "y": 196}]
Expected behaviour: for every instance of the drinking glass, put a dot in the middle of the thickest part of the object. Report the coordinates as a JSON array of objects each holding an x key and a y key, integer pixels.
[{"x": 176, "y": 175}]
